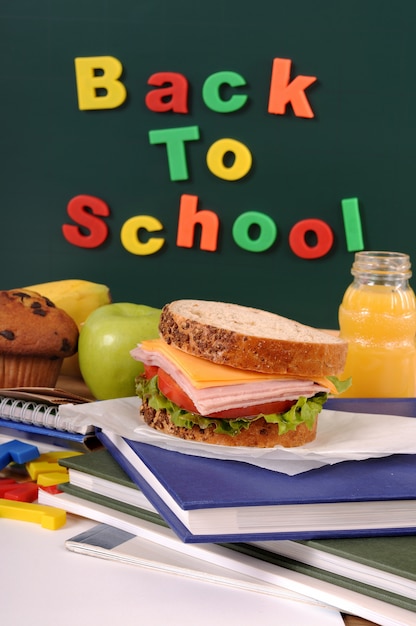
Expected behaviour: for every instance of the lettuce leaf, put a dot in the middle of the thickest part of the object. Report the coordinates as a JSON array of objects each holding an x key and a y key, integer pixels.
[
  {"x": 340, "y": 385},
  {"x": 305, "y": 410}
]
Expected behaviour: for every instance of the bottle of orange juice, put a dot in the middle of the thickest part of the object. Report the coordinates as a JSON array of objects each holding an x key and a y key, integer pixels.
[{"x": 377, "y": 317}]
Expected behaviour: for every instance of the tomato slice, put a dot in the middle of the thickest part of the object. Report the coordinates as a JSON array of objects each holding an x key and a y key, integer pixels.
[
  {"x": 280, "y": 406},
  {"x": 175, "y": 393},
  {"x": 150, "y": 371}
]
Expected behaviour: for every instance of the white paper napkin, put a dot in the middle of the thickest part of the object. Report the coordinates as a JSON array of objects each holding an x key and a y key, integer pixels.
[{"x": 342, "y": 436}]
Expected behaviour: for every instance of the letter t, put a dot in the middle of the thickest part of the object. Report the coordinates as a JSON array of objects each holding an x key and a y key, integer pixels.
[{"x": 174, "y": 139}]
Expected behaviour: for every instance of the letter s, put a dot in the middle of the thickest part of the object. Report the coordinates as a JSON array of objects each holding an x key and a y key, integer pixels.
[{"x": 85, "y": 210}]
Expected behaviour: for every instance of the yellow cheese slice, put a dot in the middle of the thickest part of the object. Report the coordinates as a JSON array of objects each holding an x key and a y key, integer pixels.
[{"x": 202, "y": 373}]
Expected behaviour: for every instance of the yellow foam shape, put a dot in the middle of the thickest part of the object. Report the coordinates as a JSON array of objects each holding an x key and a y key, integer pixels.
[
  {"x": 52, "y": 478},
  {"x": 41, "y": 467},
  {"x": 47, "y": 516},
  {"x": 55, "y": 455}
]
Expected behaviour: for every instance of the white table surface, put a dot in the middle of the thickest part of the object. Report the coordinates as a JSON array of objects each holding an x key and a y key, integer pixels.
[{"x": 44, "y": 583}]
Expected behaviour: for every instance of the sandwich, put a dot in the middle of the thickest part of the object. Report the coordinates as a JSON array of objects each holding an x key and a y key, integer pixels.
[{"x": 232, "y": 375}]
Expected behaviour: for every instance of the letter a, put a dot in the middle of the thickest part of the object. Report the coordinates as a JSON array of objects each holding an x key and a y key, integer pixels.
[{"x": 282, "y": 91}]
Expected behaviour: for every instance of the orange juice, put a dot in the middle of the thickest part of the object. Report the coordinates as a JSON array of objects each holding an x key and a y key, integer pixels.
[{"x": 379, "y": 322}]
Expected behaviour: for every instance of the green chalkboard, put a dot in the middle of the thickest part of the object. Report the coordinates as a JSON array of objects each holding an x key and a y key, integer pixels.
[{"x": 149, "y": 157}]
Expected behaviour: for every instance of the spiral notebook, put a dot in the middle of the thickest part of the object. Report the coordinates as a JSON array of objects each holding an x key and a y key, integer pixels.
[{"x": 39, "y": 406}]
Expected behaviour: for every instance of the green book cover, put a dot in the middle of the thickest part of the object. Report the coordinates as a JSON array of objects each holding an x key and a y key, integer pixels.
[
  {"x": 101, "y": 464},
  {"x": 111, "y": 503},
  {"x": 325, "y": 575},
  {"x": 395, "y": 555}
]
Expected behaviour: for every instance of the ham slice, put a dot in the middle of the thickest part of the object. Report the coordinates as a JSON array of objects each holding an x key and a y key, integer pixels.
[{"x": 215, "y": 398}]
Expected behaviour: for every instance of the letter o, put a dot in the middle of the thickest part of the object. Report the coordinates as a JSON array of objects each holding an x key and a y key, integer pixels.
[
  {"x": 130, "y": 239},
  {"x": 324, "y": 239},
  {"x": 241, "y": 231},
  {"x": 242, "y": 161}
]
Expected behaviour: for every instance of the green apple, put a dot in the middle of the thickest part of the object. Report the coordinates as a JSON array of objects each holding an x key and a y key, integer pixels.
[{"x": 105, "y": 341}]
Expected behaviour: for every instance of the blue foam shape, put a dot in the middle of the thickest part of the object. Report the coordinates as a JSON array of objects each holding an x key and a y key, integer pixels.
[{"x": 18, "y": 452}]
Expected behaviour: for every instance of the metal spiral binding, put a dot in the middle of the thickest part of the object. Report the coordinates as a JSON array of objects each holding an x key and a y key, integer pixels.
[{"x": 29, "y": 412}]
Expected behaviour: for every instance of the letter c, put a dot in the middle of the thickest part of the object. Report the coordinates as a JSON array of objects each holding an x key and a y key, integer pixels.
[{"x": 129, "y": 235}]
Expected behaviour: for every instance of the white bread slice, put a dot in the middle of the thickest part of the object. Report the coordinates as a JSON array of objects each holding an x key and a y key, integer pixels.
[{"x": 252, "y": 339}]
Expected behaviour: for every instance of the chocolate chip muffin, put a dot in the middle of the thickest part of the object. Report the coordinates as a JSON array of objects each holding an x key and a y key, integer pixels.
[{"x": 35, "y": 338}]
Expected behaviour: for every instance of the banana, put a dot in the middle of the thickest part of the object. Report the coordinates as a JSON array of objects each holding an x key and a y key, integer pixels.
[{"x": 78, "y": 298}]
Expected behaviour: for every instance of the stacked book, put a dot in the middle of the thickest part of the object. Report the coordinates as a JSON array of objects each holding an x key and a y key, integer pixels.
[{"x": 344, "y": 535}]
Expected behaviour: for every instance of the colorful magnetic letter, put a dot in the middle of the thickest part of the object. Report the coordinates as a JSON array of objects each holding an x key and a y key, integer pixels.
[
  {"x": 175, "y": 139},
  {"x": 189, "y": 216},
  {"x": 86, "y": 211},
  {"x": 130, "y": 230},
  {"x": 211, "y": 92},
  {"x": 242, "y": 159},
  {"x": 242, "y": 231},
  {"x": 282, "y": 91},
  {"x": 322, "y": 232},
  {"x": 173, "y": 97},
  {"x": 352, "y": 224},
  {"x": 98, "y": 84}
]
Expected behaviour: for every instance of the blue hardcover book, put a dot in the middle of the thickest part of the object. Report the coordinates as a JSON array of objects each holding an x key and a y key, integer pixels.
[
  {"x": 210, "y": 500},
  {"x": 384, "y": 406}
]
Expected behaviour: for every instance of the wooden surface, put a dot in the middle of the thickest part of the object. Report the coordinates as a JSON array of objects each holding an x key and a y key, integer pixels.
[
  {"x": 351, "y": 620},
  {"x": 76, "y": 385}
]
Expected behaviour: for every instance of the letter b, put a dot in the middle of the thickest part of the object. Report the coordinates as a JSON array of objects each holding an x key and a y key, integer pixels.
[{"x": 98, "y": 83}]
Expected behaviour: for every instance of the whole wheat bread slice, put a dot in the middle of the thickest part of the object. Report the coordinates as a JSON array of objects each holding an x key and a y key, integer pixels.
[{"x": 251, "y": 339}]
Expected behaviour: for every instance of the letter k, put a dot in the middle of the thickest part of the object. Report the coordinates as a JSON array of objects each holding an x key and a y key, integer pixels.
[{"x": 282, "y": 91}]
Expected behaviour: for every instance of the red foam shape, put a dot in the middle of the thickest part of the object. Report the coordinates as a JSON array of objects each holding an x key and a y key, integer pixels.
[
  {"x": 52, "y": 489},
  {"x": 6, "y": 486},
  {"x": 22, "y": 492}
]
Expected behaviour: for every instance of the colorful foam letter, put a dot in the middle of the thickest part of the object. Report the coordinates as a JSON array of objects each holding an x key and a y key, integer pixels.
[
  {"x": 211, "y": 92},
  {"x": 129, "y": 235},
  {"x": 175, "y": 139},
  {"x": 171, "y": 97},
  {"x": 300, "y": 246},
  {"x": 242, "y": 159},
  {"x": 352, "y": 224},
  {"x": 283, "y": 91},
  {"x": 98, "y": 84},
  {"x": 86, "y": 211},
  {"x": 189, "y": 217},
  {"x": 267, "y": 231}
]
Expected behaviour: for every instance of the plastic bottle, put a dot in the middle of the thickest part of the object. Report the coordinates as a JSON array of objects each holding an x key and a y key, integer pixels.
[{"x": 378, "y": 319}]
